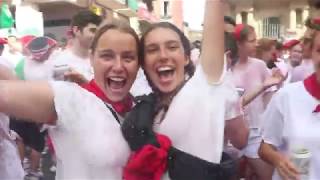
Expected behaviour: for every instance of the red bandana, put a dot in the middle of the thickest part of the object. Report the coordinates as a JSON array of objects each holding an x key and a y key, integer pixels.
[
  {"x": 313, "y": 87},
  {"x": 121, "y": 107}
]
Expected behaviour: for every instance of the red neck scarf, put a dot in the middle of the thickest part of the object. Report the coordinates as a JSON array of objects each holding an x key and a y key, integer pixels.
[
  {"x": 313, "y": 87},
  {"x": 121, "y": 107}
]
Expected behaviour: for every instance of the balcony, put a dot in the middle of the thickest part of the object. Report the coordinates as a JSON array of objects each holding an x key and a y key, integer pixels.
[{"x": 80, "y": 3}]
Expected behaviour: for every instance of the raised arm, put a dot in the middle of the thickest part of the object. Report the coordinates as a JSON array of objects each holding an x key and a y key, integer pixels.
[
  {"x": 213, "y": 40},
  {"x": 27, "y": 100}
]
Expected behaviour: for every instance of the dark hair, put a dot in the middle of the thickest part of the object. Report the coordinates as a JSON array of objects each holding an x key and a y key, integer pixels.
[
  {"x": 279, "y": 46},
  {"x": 1, "y": 49},
  {"x": 120, "y": 26},
  {"x": 83, "y": 18},
  {"x": 315, "y": 3},
  {"x": 230, "y": 44},
  {"x": 245, "y": 33},
  {"x": 229, "y": 20},
  {"x": 189, "y": 68}
]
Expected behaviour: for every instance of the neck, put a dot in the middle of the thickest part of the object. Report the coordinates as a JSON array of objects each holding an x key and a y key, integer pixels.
[
  {"x": 243, "y": 58},
  {"x": 79, "y": 50}
]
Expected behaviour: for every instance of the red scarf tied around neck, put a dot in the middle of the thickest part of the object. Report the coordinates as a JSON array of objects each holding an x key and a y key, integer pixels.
[
  {"x": 313, "y": 87},
  {"x": 121, "y": 107}
]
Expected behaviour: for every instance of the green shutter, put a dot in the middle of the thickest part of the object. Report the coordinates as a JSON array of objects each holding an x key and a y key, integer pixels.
[{"x": 133, "y": 4}]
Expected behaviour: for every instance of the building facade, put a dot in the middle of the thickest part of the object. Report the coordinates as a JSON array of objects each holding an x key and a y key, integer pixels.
[
  {"x": 273, "y": 18},
  {"x": 57, "y": 14}
]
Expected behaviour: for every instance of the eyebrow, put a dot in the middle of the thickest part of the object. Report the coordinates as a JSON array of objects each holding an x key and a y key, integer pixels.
[
  {"x": 167, "y": 42},
  {"x": 106, "y": 51}
]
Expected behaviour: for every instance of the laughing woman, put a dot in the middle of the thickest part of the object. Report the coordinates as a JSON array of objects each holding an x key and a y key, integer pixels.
[
  {"x": 291, "y": 126},
  {"x": 177, "y": 132},
  {"x": 86, "y": 133}
]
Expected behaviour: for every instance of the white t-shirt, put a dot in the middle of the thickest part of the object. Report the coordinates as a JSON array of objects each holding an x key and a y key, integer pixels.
[
  {"x": 34, "y": 70},
  {"x": 195, "y": 119},
  {"x": 5, "y": 62},
  {"x": 87, "y": 138},
  {"x": 10, "y": 163},
  {"x": 289, "y": 121},
  {"x": 249, "y": 78},
  {"x": 77, "y": 63}
]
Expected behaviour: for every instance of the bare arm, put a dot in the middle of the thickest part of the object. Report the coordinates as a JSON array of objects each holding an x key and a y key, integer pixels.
[
  {"x": 27, "y": 100},
  {"x": 285, "y": 168},
  {"x": 236, "y": 130},
  {"x": 273, "y": 80},
  {"x": 213, "y": 40}
]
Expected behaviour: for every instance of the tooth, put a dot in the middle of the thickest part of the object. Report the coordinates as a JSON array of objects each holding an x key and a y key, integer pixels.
[
  {"x": 164, "y": 68},
  {"x": 117, "y": 79}
]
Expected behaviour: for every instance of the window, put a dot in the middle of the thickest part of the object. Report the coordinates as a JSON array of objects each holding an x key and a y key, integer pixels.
[
  {"x": 244, "y": 17},
  {"x": 299, "y": 19},
  {"x": 166, "y": 8},
  {"x": 271, "y": 27}
]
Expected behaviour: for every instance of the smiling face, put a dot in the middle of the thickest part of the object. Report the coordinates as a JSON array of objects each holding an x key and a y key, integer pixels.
[
  {"x": 115, "y": 63},
  {"x": 164, "y": 59}
]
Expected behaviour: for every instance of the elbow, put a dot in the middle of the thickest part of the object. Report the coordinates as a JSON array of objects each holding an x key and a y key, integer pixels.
[
  {"x": 261, "y": 151},
  {"x": 241, "y": 140}
]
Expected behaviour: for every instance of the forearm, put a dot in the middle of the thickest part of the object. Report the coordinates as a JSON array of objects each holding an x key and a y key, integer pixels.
[
  {"x": 269, "y": 154},
  {"x": 251, "y": 95},
  {"x": 32, "y": 101},
  {"x": 213, "y": 40}
]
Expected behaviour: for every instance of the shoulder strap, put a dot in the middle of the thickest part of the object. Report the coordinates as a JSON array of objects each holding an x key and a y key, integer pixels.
[{"x": 114, "y": 113}]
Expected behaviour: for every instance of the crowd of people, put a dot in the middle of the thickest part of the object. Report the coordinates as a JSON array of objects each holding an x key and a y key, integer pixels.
[{"x": 115, "y": 105}]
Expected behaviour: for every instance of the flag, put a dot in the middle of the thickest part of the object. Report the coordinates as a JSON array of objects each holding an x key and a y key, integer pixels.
[{"x": 6, "y": 19}]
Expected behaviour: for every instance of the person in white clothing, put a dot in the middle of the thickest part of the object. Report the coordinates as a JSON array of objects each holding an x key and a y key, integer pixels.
[
  {"x": 248, "y": 75},
  {"x": 10, "y": 164},
  {"x": 291, "y": 126},
  {"x": 185, "y": 115},
  {"x": 75, "y": 59},
  {"x": 85, "y": 121}
]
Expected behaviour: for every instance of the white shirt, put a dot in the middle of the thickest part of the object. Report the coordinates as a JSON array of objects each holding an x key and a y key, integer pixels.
[
  {"x": 289, "y": 121},
  {"x": 5, "y": 62},
  {"x": 10, "y": 163},
  {"x": 87, "y": 138},
  {"x": 34, "y": 70},
  {"x": 67, "y": 57},
  {"x": 195, "y": 119},
  {"x": 248, "y": 77}
]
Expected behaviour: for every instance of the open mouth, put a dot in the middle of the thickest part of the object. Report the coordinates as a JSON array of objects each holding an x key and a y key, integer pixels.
[
  {"x": 165, "y": 72},
  {"x": 116, "y": 82}
]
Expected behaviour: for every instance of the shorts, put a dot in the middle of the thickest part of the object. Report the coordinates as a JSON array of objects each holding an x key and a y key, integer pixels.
[
  {"x": 254, "y": 141},
  {"x": 30, "y": 134}
]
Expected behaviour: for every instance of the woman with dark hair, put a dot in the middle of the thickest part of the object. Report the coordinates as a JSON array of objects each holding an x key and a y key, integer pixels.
[
  {"x": 252, "y": 76},
  {"x": 86, "y": 132},
  {"x": 291, "y": 126},
  {"x": 179, "y": 128}
]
